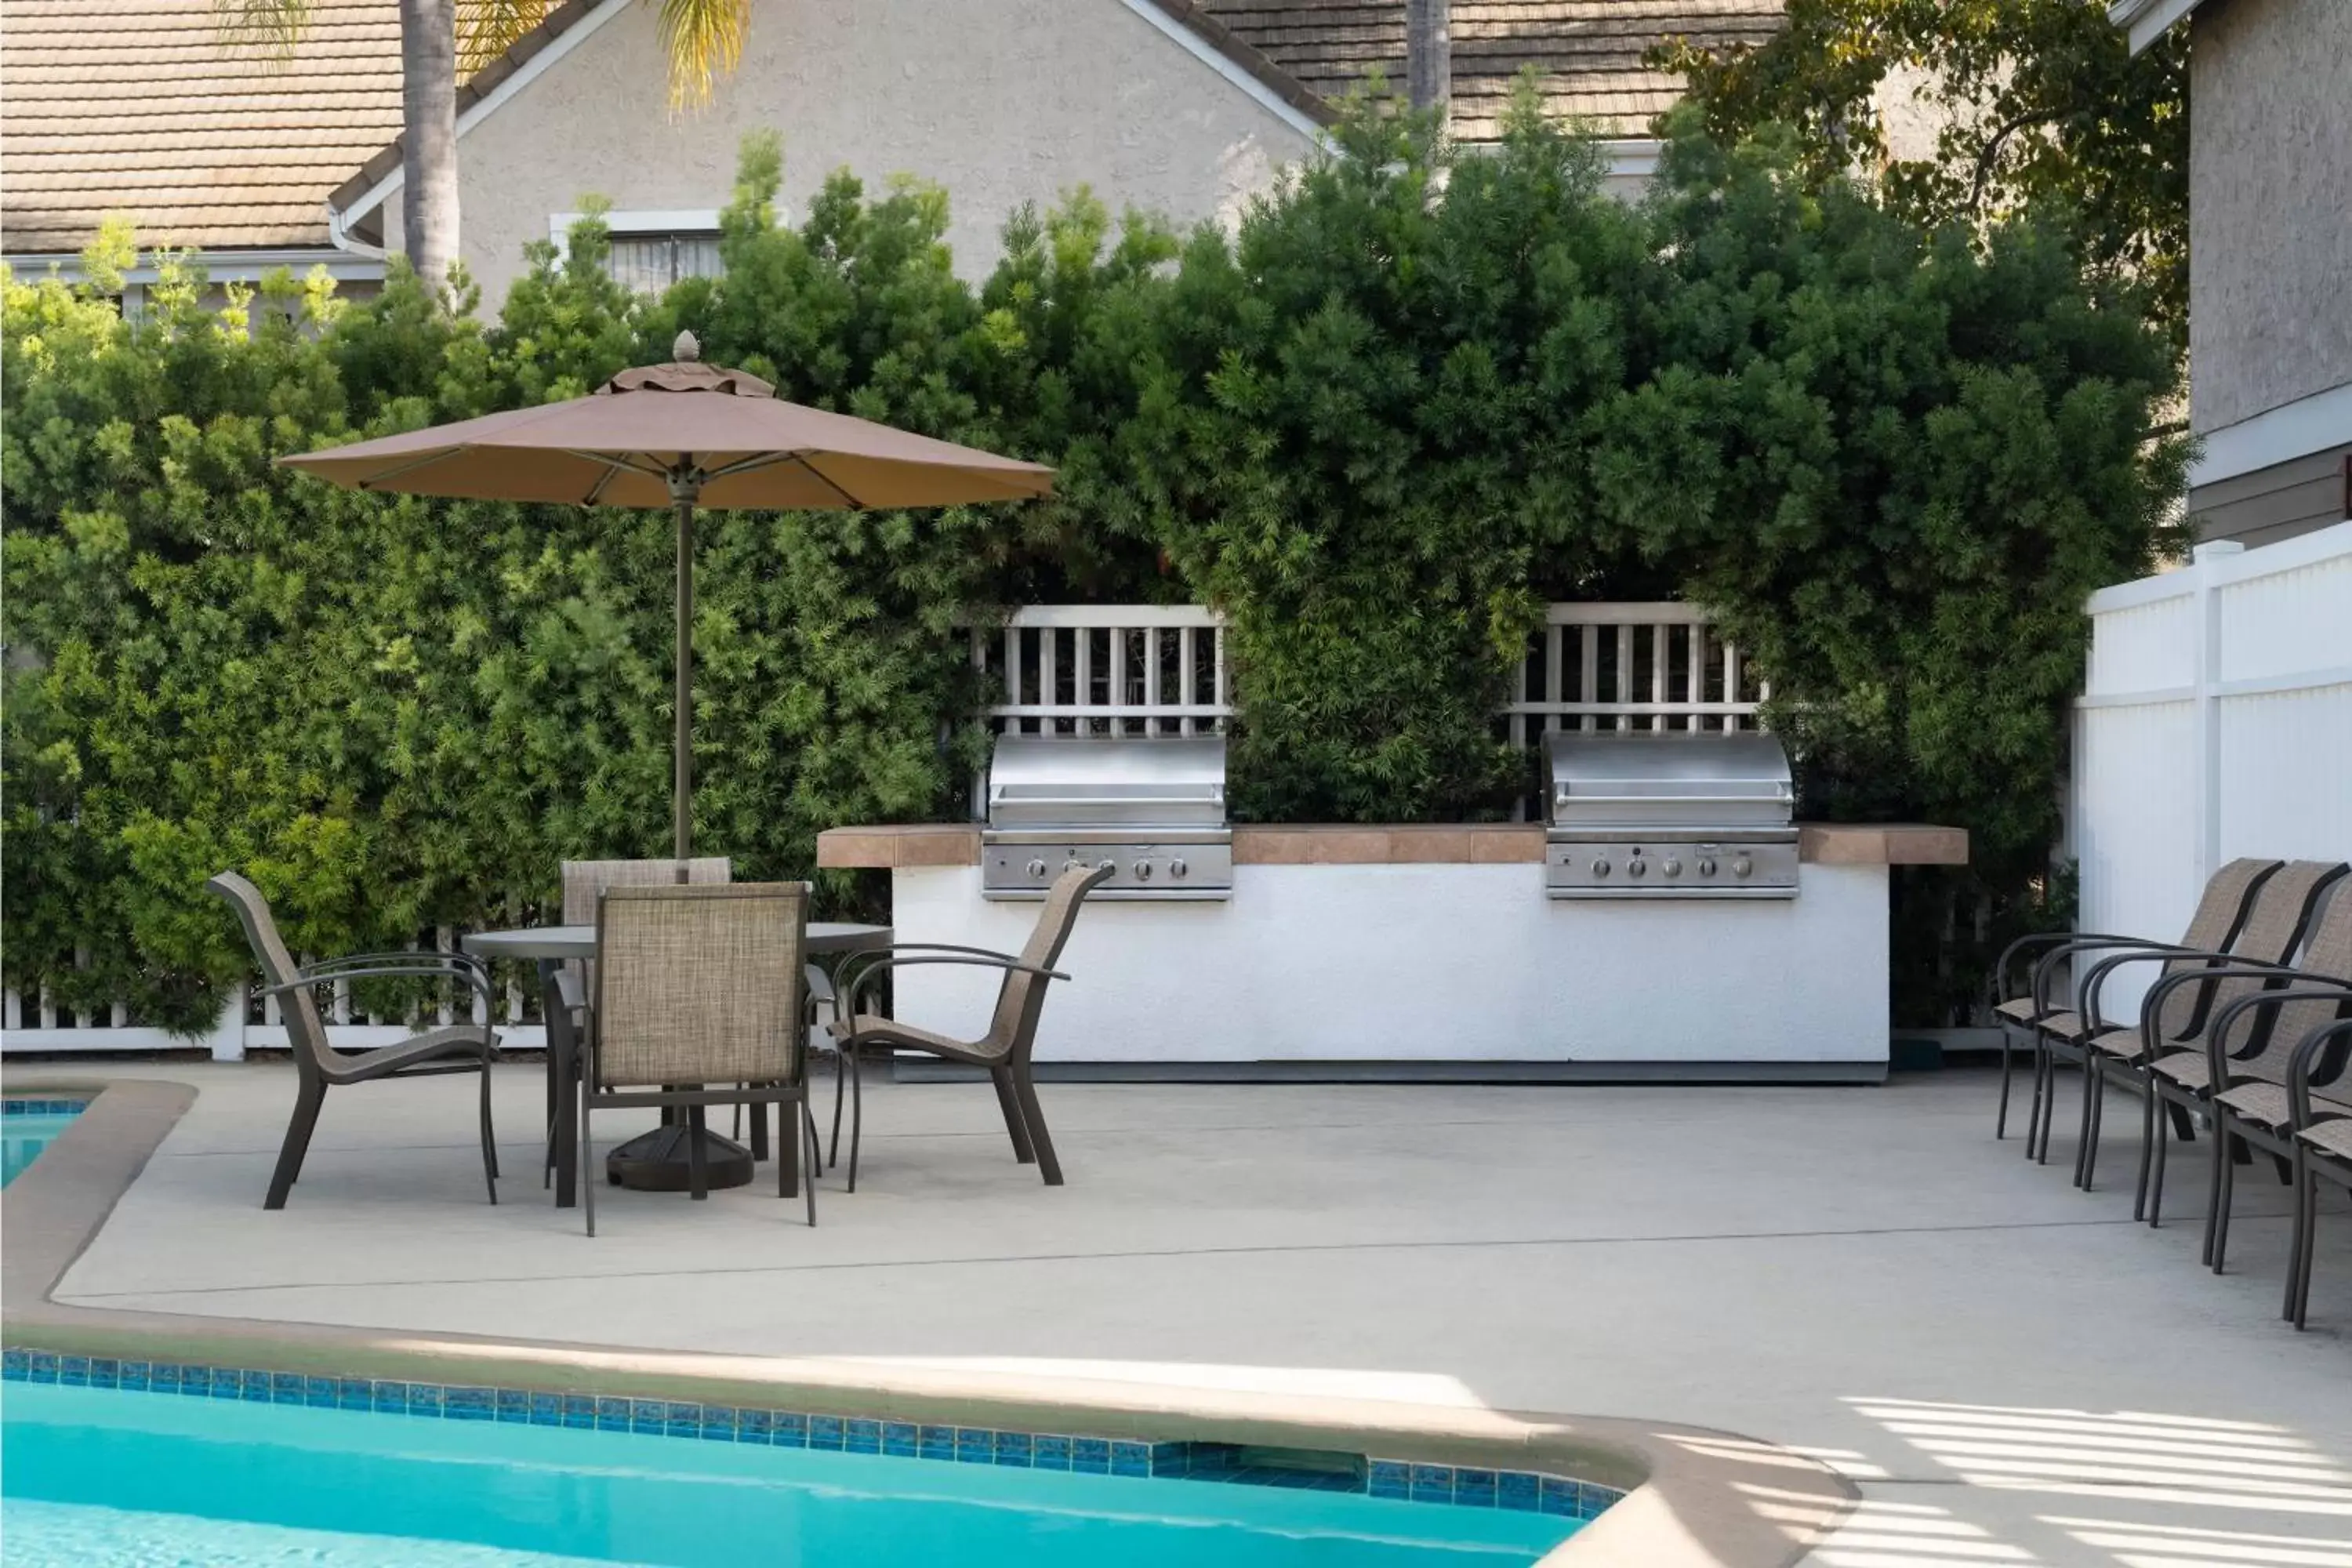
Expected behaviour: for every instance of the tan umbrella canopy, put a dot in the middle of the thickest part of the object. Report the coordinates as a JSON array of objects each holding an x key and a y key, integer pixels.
[{"x": 679, "y": 434}]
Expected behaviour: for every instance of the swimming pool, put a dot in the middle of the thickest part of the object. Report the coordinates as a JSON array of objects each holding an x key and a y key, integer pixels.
[
  {"x": 104, "y": 1476},
  {"x": 30, "y": 1126}
]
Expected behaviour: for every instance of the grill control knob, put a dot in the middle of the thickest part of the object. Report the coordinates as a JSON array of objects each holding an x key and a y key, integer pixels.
[
  {"x": 1144, "y": 870},
  {"x": 1072, "y": 864},
  {"x": 1743, "y": 866},
  {"x": 1600, "y": 868},
  {"x": 1037, "y": 868},
  {"x": 1637, "y": 867},
  {"x": 1673, "y": 866},
  {"x": 1707, "y": 867},
  {"x": 1107, "y": 864},
  {"x": 1177, "y": 867}
]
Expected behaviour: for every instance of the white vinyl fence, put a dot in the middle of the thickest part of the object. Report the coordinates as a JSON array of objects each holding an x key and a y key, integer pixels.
[
  {"x": 2216, "y": 721},
  {"x": 1119, "y": 669}
]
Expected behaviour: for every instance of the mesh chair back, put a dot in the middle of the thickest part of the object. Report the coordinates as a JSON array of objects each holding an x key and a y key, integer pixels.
[
  {"x": 1023, "y": 996},
  {"x": 298, "y": 1007},
  {"x": 2221, "y": 913},
  {"x": 585, "y": 880},
  {"x": 2327, "y": 955},
  {"x": 699, "y": 985},
  {"x": 2281, "y": 912}
]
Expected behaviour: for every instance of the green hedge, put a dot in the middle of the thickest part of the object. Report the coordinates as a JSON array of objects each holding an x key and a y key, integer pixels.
[{"x": 1416, "y": 396}]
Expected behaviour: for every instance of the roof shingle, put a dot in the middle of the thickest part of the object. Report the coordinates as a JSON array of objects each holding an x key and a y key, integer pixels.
[
  {"x": 1587, "y": 53},
  {"x": 137, "y": 106}
]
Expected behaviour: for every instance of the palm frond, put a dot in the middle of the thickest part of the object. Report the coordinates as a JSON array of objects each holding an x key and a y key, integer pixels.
[
  {"x": 267, "y": 28},
  {"x": 488, "y": 28},
  {"x": 703, "y": 40}
]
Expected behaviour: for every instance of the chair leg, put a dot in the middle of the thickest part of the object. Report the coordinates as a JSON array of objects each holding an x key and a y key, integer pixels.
[
  {"x": 2007, "y": 1049},
  {"x": 2294, "y": 1238},
  {"x": 816, "y": 1145},
  {"x": 758, "y": 1111},
  {"x": 587, "y": 1159},
  {"x": 2156, "y": 1183},
  {"x": 490, "y": 1140},
  {"x": 856, "y": 1114},
  {"x": 2049, "y": 1110},
  {"x": 788, "y": 1161},
  {"x": 2041, "y": 1087},
  {"x": 2224, "y": 1194},
  {"x": 1023, "y": 1151},
  {"x": 306, "y": 1100},
  {"x": 2094, "y": 1086},
  {"x": 1025, "y": 1088},
  {"x": 2307, "y": 1213},
  {"x": 2151, "y": 1128},
  {"x": 840, "y": 1085}
]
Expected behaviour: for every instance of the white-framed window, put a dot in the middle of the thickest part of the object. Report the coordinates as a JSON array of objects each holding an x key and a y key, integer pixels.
[{"x": 652, "y": 249}]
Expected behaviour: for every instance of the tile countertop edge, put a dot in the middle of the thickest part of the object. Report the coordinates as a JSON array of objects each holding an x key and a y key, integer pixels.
[{"x": 903, "y": 846}]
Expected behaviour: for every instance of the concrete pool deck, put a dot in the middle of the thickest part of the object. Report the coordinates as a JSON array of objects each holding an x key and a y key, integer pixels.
[{"x": 2006, "y": 1370}]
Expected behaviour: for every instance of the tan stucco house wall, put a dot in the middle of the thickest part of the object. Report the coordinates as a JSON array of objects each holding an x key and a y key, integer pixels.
[
  {"x": 2269, "y": 259},
  {"x": 1001, "y": 101}
]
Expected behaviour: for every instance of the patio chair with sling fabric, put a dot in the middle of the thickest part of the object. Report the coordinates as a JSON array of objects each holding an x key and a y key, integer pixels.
[
  {"x": 1004, "y": 1050},
  {"x": 454, "y": 1049},
  {"x": 698, "y": 985}
]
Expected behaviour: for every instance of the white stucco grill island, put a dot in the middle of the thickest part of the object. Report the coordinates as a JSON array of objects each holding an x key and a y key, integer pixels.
[{"x": 1430, "y": 951}]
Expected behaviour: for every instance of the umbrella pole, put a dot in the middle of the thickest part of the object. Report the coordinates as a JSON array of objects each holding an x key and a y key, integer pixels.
[{"x": 682, "y": 782}]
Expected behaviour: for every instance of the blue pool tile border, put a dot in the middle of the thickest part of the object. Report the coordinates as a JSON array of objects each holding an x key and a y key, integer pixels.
[
  {"x": 1401, "y": 1480},
  {"x": 11, "y": 1109}
]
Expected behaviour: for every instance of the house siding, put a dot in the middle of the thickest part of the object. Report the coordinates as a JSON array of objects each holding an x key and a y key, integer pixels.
[
  {"x": 1001, "y": 101},
  {"x": 2270, "y": 183},
  {"x": 2277, "y": 502}
]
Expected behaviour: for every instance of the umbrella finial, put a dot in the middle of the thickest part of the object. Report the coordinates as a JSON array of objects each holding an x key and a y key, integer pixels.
[{"x": 685, "y": 350}]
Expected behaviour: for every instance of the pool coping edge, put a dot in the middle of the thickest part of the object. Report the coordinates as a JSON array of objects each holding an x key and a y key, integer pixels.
[{"x": 1692, "y": 1493}]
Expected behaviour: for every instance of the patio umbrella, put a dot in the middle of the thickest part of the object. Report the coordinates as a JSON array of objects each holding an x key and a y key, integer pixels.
[{"x": 680, "y": 434}]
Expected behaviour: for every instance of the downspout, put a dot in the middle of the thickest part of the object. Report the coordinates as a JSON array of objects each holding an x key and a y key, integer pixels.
[{"x": 343, "y": 239}]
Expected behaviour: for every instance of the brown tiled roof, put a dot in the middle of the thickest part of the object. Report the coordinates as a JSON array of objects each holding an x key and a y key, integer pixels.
[
  {"x": 1587, "y": 53},
  {"x": 382, "y": 158},
  {"x": 136, "y": 106}
]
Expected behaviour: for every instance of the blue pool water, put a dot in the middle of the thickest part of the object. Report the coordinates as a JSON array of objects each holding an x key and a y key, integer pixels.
[
  {"x": 30, "y": 1126},
  {"x": 105, "y": 1478}
]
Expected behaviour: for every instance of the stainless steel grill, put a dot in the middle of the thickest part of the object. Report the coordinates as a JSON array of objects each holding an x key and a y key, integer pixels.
[
  {"x": 1672, "y": 815},
  {"x": 1151, "y": 807}
]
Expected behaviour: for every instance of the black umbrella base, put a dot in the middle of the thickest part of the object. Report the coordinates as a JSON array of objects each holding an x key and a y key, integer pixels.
[{"x": 657, "y": 1161}]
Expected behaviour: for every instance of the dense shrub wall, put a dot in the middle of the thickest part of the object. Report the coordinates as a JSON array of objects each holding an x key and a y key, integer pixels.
[{"x": 1414, "y": 398}]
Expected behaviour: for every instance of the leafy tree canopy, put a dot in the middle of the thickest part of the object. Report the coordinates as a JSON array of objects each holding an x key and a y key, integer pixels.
[{"x": 2037, "y": 104}]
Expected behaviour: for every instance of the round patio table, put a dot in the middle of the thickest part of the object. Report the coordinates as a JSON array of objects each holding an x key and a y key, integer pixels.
[{"x": 656, "y": 1161}]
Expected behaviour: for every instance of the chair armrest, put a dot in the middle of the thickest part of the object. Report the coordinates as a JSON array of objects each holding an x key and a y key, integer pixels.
[
  {"x": 465, "y": 960},
  {"x": 2300, "y": 1074},
  {"x": 2141, "y": 949},
  {"x": 2153, "y": 1002},
  {"x": 472, "y": 976},
  {"x": 1997, "y": 981},
  {"x": 2095, "y": 979},
  {"x": 2307, "y": 988},
  {"x": 849, "y": 971},
  {"x": 977, "y": 957}
]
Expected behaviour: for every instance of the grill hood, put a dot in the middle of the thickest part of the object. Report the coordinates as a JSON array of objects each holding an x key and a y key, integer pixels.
[
  {"x": 1669, "y": 815},
  {"x": 1152, "y": 807},
  {"x": 1672, "y": 779}
]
